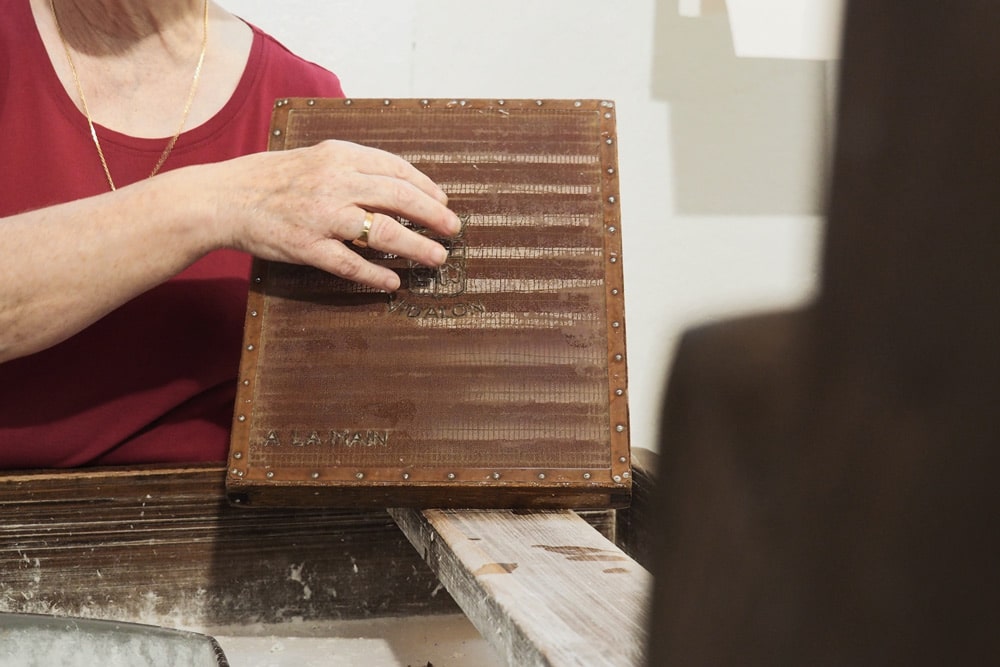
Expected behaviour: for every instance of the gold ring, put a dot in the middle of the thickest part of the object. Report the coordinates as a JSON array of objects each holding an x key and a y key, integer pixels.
[{"x": 362, "y": 240}]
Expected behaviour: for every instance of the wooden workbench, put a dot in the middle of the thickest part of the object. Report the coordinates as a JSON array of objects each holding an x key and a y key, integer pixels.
[{"x": 162, "y": 546}]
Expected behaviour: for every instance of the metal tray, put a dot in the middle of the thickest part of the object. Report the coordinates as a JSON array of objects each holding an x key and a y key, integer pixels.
[{"x": 37, "y": 639}]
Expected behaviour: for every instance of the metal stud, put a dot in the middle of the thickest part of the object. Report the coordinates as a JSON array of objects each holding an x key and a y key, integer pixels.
[
  {"x": 315, "y": 475},
  {"x": 538, "y": 103},
  {"x": 234, "y": 471},
  {"x": 622, "y": 459},
  {"x": 406, "y": 475},
  {"x": 238, "y": 455},
  {"x": 611, "y": 199},
  {"x": 607, "y": 114},
  {"x": 277, "y": 133},
  {"x": 609, "y": 141},
  {"x": 501, "y": 102},
  {"x": 348, "y": 102},
  {"x": 386, "y": 102},
  {"x": 615, "y": 292},
  {"x": 626, "y": 474},
  {"x": 425, "y": 102},
  {"x": 619, "y": 392},
  {"x": 270, "y": 474},
  {"x": 451, "y": 475},
  {"x": 617, "y": 478},
  {"x": 258, "y": 280},
  {"x": 250, "y": 347},
  {"x": 253, "y": 313},
  {"x": 618, "y": 357},
  {"x": 611, "y": 229},
  {"x": 586, "y": 475},
  {"x": 311, "y": 102},
  {"x": 611, "y": 171},
  {"x": 615, "y": 325},
  {"x": 246, "y": 383},
  {"x": 359, "y": 475},
  {"x": 462, "y": 103},
  {"x": 578, "y": 103},
  {"x": 620, "y": 428},
  {"x": 541, "y": 475},
  {"x": 496, "y": 475},
  {"x": 242, "y": 418}
]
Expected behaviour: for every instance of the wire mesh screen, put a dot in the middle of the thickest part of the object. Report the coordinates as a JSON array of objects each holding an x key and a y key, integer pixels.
[{"x": 497, "y": 379}]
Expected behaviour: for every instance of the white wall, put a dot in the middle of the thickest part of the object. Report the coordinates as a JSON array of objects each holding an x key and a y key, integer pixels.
[{"x": 719, "y": 156}]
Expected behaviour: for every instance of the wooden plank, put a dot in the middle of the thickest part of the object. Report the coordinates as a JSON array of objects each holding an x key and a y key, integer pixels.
[
  {"x": 544, "y": 588},
  {"x": 163, "y": 546}
]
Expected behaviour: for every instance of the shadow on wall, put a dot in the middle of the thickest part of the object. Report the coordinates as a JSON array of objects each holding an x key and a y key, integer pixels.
[{"x": 749, "y": 136}]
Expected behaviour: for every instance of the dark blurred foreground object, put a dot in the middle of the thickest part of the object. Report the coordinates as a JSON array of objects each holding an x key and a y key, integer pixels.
[
  {"x": 827, "y": 484},
  {"x": 34, "y": 639}
]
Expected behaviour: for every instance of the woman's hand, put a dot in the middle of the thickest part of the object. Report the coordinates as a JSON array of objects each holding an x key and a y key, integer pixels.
[
  {"x": 68, "y": 265},
  {"x": 301, "y": 205}
]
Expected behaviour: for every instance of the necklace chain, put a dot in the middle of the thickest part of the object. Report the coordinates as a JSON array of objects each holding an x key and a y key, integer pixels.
[{"x": 86, "y": 109}]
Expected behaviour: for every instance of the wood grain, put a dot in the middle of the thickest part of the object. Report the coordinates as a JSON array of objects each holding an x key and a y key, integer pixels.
[
  {"x": 163, "y": 546},
  {"x": 544, "y": 588}
]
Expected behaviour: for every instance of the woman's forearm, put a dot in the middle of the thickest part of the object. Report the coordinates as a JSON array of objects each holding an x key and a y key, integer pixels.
[{"x": 64, "y": 267}]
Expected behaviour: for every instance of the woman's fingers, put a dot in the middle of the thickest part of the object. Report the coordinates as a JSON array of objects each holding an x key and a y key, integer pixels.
[
  {"x": 376, "y": 162},
  {"x": 392, "y": 196},
  {"x": 303, "y": 205},
  {"x": 334, "y": 257},
  {"x": 415, "y": 197},
  {"x": 387, "y": 235}
]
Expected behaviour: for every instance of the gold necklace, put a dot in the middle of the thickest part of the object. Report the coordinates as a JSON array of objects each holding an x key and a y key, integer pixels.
[{"x": 86, "y": 110}]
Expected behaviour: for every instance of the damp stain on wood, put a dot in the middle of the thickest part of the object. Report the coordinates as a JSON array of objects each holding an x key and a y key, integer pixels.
[{"x": 582, "y": 553}]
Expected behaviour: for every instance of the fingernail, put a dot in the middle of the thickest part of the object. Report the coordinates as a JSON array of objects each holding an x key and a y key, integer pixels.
[
  {"x": 440, "y": 255},
  {"x": 456, "y": 224}
]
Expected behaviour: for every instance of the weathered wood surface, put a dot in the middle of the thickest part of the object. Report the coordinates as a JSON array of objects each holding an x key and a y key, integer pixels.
[
  {"x": 544, "y": 588},
  {"x": 828, "y": 481},
  {"x": 163, "y": 546}
]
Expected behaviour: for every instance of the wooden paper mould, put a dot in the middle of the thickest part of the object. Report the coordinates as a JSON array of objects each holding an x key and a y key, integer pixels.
[{"x": 497, "y": 380}]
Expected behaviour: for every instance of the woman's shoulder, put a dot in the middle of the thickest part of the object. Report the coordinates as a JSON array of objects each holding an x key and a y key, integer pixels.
[{"x": 301, "y": 76}]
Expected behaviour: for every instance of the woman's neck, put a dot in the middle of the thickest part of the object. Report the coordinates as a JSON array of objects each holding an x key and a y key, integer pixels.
[
  {"x": 104, "y": 27},
  {"x": 135, "y": 59}
]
